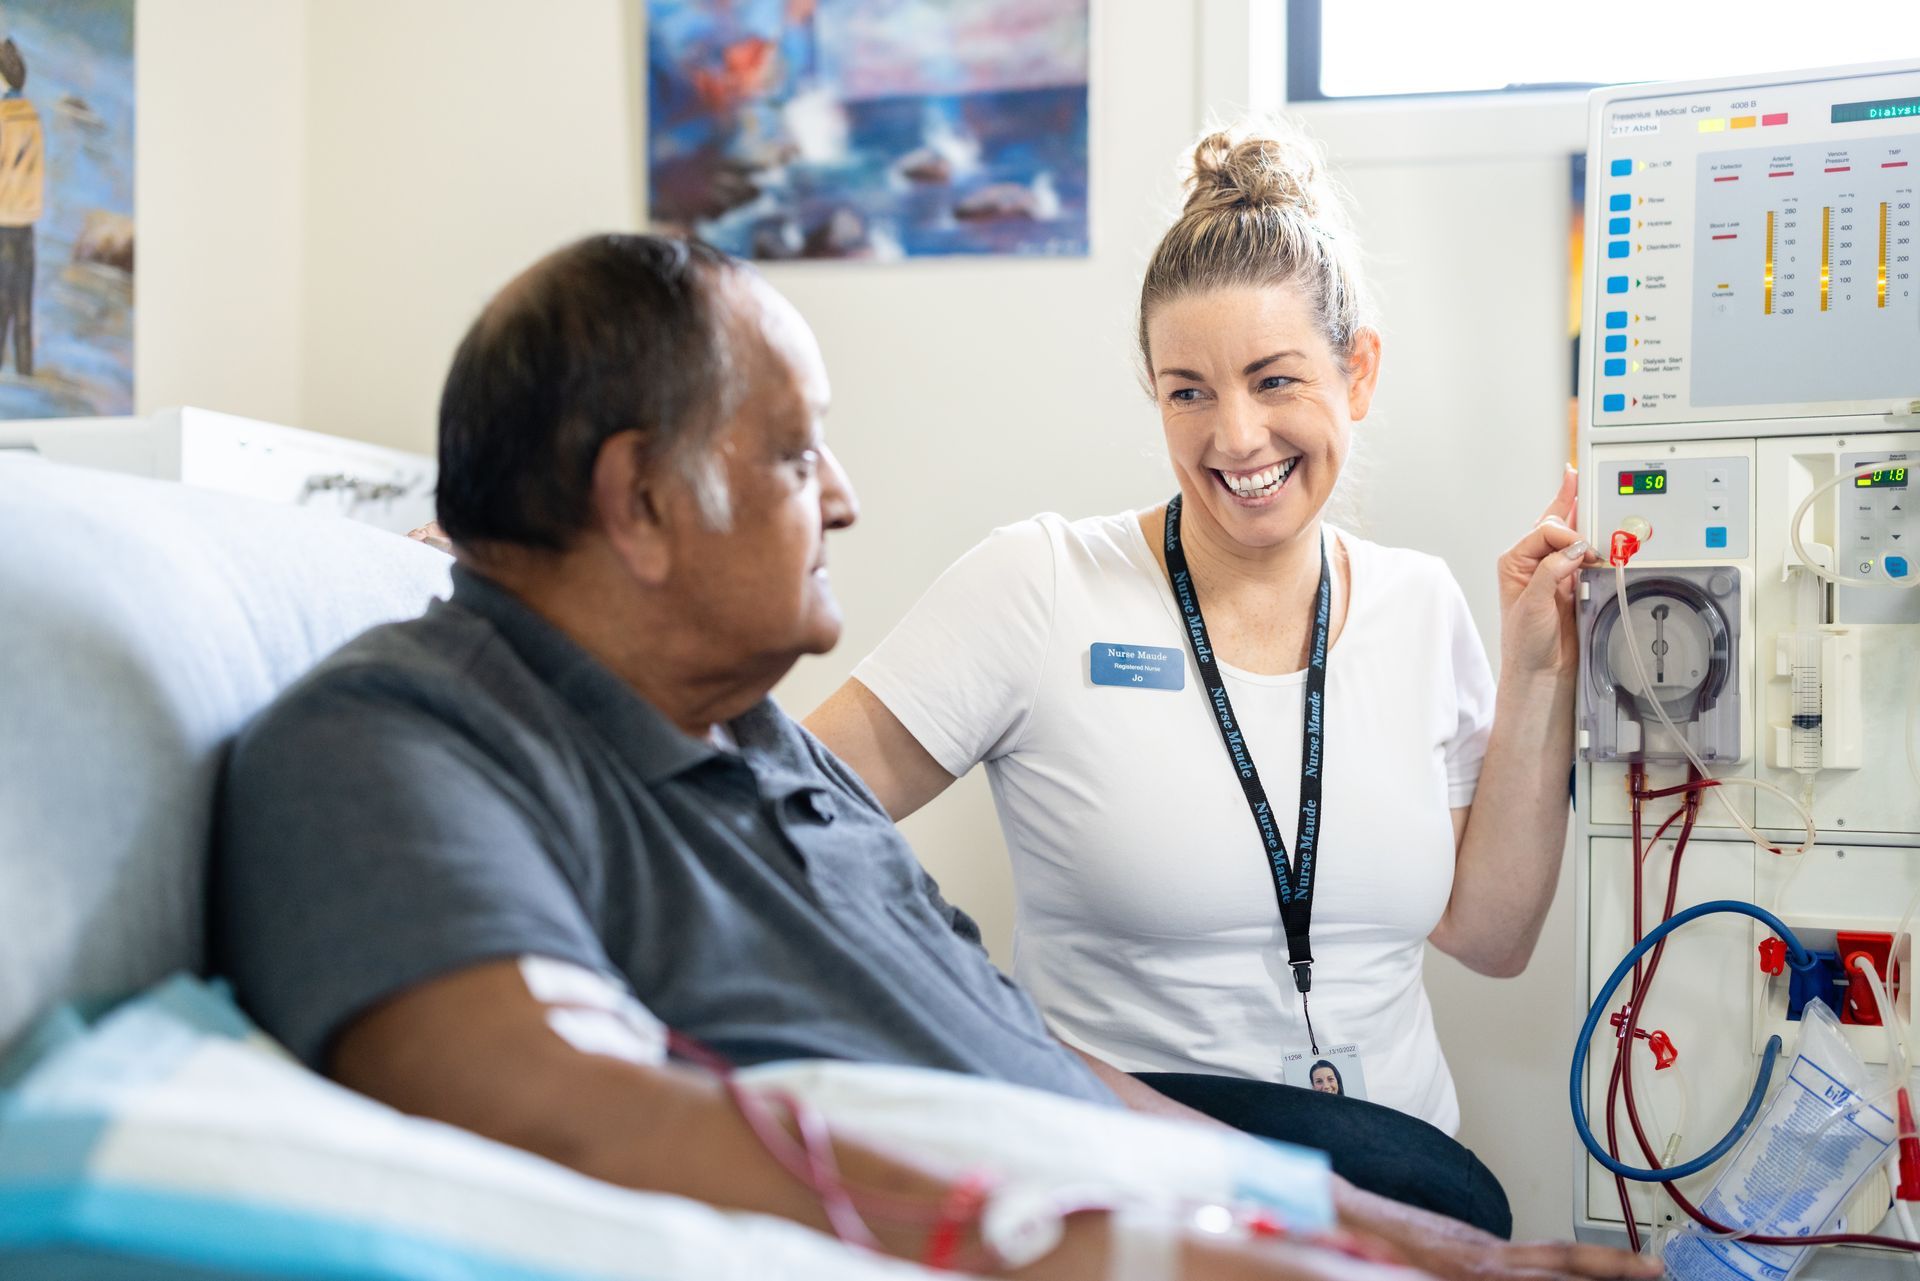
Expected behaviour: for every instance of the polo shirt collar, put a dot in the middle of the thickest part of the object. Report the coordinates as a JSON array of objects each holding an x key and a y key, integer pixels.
[{"x": 654, "y": 746}]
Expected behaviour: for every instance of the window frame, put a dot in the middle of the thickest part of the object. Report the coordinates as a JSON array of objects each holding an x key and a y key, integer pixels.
[{"x": 1305, "y": 34}]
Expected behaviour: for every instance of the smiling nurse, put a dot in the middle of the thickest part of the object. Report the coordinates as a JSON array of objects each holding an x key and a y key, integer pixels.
[{"x": 1249, "y": 764}]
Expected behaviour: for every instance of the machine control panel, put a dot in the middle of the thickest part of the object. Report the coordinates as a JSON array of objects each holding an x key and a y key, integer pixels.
[
  {"x": 1878, "y": 525},
  {"x": 1758, "y": 253},
  {"x": 1699, "y": 507},
  {"x": 1877, "y": 538}
]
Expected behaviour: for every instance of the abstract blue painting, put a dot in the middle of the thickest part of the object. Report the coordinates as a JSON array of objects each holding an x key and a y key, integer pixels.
[
  {"x": 870, "y": 129},
  {"x": 66, "y": 208}
]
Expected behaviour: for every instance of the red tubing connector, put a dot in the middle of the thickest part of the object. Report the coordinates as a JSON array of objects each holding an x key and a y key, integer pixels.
[
  {"x": 1909, "y": 1189},
  {"x": 1773, "y": 957},
  {"x": 1665, "y": 1052},
  {"x": 1859, "y": 1006},
  {"x": 1623, "y": 548}
]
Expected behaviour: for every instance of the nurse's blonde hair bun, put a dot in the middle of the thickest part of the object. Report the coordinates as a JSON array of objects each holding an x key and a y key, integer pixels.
[
  {"x": 1260, "y": 209},
  {"x": 1246, "y": 169}
]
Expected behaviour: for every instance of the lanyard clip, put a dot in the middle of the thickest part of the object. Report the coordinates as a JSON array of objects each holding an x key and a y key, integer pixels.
[{"x": 1303, "y": 977}]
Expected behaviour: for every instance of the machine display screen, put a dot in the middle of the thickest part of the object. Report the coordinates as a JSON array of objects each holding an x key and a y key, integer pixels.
[
  {"x": 1651, "y": 482},
  {"x": 1756, "y": 249},
  {"x": 1886, "y": 478},
  {"x": 1884, "y": 109}
]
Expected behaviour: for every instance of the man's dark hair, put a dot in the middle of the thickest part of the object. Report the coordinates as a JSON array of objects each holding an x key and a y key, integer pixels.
[
  {"x": 13, "y": 68},
  {"x": 609, "y": 334}
]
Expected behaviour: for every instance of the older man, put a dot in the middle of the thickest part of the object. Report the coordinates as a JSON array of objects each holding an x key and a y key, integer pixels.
[{"x": 575, "y": 759}]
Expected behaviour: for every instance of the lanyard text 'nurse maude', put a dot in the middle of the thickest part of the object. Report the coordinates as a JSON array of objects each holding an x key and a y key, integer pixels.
[{"x": 1292, "y": 883}]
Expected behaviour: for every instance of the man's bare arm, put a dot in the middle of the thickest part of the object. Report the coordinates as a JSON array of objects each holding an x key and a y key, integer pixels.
[
  {"x": 1141, "y": 1097},
  {"x": 474, "y": 1049}
]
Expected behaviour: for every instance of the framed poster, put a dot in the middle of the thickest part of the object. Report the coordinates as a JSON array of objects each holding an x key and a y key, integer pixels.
[
  {"x": 870, "y": 129},
  {"x": 66, "y": 208}
]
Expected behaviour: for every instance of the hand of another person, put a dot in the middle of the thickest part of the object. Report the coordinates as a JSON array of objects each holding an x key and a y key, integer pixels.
[
  {"x": 1284, "y": 1261},
  {"x": 1452, "y": 1250},
  {"x": 1488, "y": 1258},
  {"x": 1537, "y": 577},
  {"x": 433, "y": 536}
]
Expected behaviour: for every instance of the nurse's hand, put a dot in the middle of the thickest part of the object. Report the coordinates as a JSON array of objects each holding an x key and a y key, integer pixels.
[
  {"x": 433, "y": 536},
  {"x": 1450, "y": 1249},
  {"x": 1537, "y": 576},
  {"x": 1209, "y": 1260}
]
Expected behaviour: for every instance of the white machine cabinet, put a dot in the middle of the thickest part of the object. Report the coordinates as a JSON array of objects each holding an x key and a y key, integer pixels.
[
  {"x": 385, "y": 487},
  {"x": 1751, "y": 330}
]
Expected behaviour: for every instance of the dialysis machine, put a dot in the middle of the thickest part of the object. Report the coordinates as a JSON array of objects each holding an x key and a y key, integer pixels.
[{"x": 1749, "y": 423}]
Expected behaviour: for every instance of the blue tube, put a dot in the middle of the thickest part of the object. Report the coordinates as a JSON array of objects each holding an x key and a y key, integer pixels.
[{"x": 1797, "y": 955}]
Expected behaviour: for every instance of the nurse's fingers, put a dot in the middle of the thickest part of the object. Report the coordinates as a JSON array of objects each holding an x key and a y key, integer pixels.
[
  {"x": 1556, "y": 568},
  {"x": 433, "y": 536},
  {"x": 1571, "y": 1259},
  {"x": 1565, "y": 503},
  {"x": 1543, "y": 540}
]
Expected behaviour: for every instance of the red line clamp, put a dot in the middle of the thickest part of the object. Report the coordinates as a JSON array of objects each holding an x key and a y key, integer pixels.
[{"x": 1665, "y": 1052}]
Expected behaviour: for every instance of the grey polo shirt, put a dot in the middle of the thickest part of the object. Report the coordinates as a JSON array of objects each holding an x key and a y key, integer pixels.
[{"x": 471, "y": 785}]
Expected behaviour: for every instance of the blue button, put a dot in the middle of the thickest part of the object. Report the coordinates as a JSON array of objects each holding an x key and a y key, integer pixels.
[
  {"x": 1620, "y": 202},
  {"x": 1616, "y": 284},
  {"x": 1616, "y": 320},
  {"x": 1616, "y": 342},
  {"x": 1617, "y": 249},
  {"x": 1621, "y": 168},
  {"x": 1613, "y": 404},
  {"x": 1614, "y": 368},
  {"x": 1618, "y": 226},
  {"x": 1896, "y": 566},
  {"x": 1716, "y": 535}
]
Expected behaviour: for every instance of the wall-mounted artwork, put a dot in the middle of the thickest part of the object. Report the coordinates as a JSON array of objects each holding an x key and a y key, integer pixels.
[
  {"x": 66, "y": 208},
  {"x": 870, "y": 129}
]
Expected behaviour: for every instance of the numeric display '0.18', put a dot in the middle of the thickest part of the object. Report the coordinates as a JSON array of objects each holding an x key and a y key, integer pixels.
[
  {"x": 1882, "y": 478},
  {"x": 1643, "y": 482}
]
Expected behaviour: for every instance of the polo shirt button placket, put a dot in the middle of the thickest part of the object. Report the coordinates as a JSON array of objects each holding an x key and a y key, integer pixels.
[
  {"x": 820, "y": 806},
  {"x": 811, "y": 806}
]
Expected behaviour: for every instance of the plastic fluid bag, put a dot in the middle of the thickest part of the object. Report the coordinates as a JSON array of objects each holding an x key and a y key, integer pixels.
[{"x": 1817, "y": 1139}]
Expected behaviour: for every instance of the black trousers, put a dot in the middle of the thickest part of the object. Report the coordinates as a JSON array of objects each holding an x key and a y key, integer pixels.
[
  {"x": 1376, "y": 1148},
  {"x": 16, "y": 296}
]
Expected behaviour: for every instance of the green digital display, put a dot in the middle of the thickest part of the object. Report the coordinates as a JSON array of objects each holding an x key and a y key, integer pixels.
[
  {"x": 1883, "y": 478},
  {"x": 1883, "y": 109},
  {"x": 1643, "y": 482}
]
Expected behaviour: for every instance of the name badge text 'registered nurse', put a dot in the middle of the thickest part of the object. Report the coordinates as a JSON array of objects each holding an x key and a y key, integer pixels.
[{"x": 1138, "y": 666}]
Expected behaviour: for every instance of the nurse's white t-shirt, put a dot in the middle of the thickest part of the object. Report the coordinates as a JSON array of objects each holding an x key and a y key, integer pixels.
[{"x": 1147, "y": 928}]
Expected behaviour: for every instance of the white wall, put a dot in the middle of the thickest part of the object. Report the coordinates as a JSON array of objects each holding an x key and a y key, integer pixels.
[
  {"x": 448, "y": 144},
  {"x": 220, "y": 199}
]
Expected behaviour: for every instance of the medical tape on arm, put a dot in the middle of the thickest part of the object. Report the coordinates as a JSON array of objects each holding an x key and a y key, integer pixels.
[
  {"x": 593, "y": 1013},
  {"x": 1143, "y": 1242}
]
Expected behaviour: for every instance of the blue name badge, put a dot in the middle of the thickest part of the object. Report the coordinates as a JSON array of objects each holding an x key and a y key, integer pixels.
[{"x": 1138, "y": 666}]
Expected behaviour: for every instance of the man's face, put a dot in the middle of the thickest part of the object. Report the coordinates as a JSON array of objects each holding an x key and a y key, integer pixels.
[{"x": 759, "y": 588}]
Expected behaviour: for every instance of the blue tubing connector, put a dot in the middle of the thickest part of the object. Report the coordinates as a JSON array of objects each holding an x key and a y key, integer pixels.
[{"x": 1797, "y": 956}]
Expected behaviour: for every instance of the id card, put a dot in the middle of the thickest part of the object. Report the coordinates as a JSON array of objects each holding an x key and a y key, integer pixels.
[
  {"x": 1137, "y": 666},
  {"x": 1335, "y": 1070}
]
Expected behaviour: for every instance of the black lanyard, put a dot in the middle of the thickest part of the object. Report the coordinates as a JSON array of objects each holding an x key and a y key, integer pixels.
[{"x": 1292, "y": 884}]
